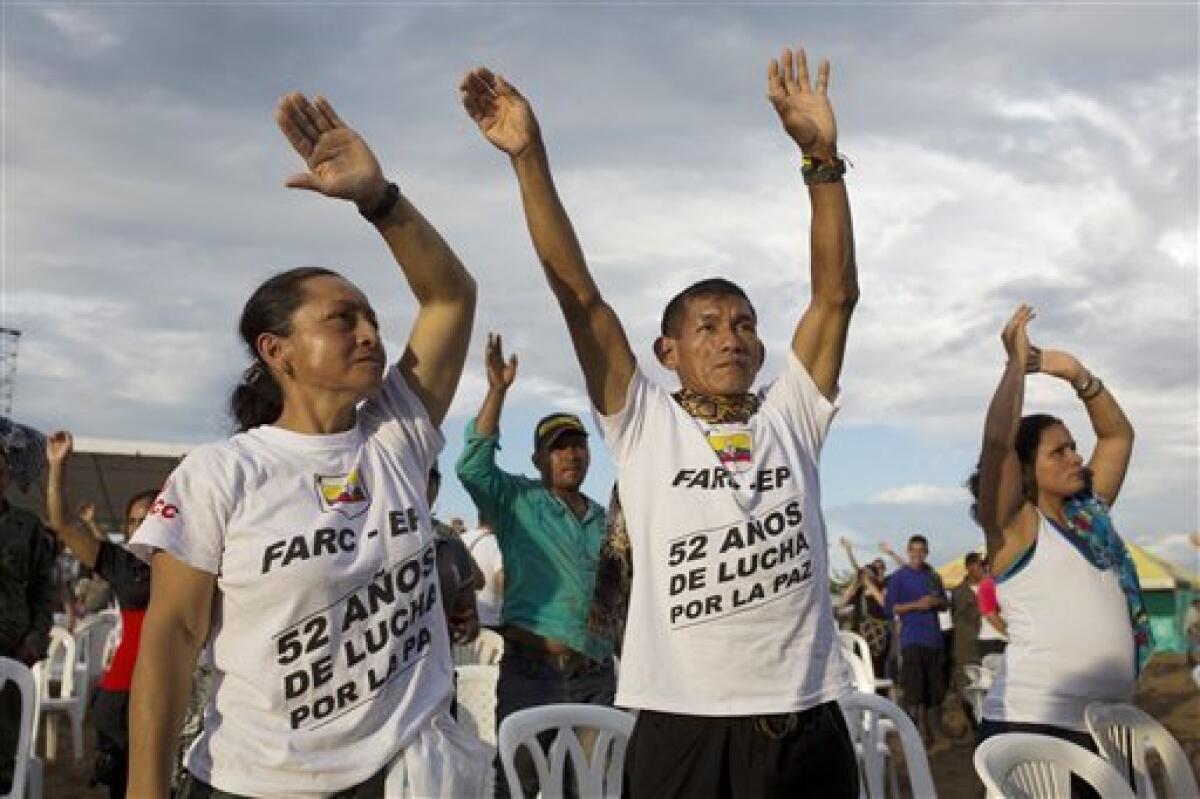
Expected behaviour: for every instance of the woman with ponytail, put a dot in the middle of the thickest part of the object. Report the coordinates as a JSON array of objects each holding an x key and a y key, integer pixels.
[
  {"x": 298, "y": 554},
  {"x": 1078, "y": 628}
]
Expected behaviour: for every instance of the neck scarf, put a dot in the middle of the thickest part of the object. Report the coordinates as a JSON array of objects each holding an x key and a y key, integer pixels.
[
  {"x": 717, "y": 408},
  {"x": 1089, "y": 519},
  {"x": 614, "y": 564}
]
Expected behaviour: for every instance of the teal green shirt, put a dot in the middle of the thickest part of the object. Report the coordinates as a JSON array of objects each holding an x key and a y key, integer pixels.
[{"x": 549, "y": 553}]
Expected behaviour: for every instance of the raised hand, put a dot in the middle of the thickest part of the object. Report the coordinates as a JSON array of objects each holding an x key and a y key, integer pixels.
[
  {"x": 87, "y": 512},
  {"x": 1016, "y": 334},
  {"x": 340, "y": 164},
  {"x": 504, "y": 117},
  {"x": 500, "y": 375},
  {"x": 804, "y": 111},
  {"x": 59, "y": 446},
  {"x": 886, "y": 548}
]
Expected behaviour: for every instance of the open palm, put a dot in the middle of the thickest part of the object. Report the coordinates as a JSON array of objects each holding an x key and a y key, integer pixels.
[
  {"x": 502, "y": 114},
  {"x": 805, "y": 111},
  {"x": 339, "y": 161},
  {"x": 500, "y": 374}
]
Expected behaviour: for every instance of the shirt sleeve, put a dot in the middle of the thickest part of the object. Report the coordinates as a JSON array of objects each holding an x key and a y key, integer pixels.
[
  {"x": 797, "y": 397},
  {"x": 190, "y": 516},
  {"x": 395, "y": 414},
  {"x": 120, "y": 567},
  {"x": 492, "y": 489},
  {"x": 622, "y": 431},
  {"x": 988, "y": 603}
]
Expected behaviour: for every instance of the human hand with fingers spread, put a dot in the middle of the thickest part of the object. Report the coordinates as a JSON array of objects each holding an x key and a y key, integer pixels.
[
  {"x": 804, "y": 110},
  {"x": 340, "y": 164},
  {"x": 500, "y": 374},
  {"x": 504, "y": 116}
]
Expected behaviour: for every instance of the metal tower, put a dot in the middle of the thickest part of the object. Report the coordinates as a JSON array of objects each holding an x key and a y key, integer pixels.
[{"x": 9, "y": 338}]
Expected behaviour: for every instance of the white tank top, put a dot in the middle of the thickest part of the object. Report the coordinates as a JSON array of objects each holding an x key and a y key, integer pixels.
[{"x": 1070, "y": 640}]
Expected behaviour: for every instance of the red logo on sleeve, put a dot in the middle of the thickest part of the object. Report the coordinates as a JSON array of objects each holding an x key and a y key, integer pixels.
[{"x": 163, "y": 508}]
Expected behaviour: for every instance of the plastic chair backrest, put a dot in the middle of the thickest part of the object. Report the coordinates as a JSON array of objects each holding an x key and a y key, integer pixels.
[
  {"x": 865, "y": 710},
  {"x": 993, "y": 663},
  {"x": 60, "y": 662},
  {"x": 91, "y": 638},
  {"x": 1022, "y": 765},
  {"x": 861, "y": 670},
  {"x": 18, "y": 674},
  {"x": 978, "y": 676},
  {"x": 859, "y": 646},
  {"x": 1123, "y": 733},
  {"x": 598, "y": 775},
  {"x": 476, "y": 695}
]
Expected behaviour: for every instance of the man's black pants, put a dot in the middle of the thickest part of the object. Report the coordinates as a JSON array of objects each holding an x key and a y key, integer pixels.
[{"x": 701, "y": 757}]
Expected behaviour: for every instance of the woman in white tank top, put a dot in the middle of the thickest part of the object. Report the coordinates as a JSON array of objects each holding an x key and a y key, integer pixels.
[{"x": 1075, "y": 619}]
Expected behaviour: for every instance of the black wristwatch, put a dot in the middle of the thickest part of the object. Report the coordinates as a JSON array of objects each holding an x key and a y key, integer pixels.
[{"x": 379, "y": 211}]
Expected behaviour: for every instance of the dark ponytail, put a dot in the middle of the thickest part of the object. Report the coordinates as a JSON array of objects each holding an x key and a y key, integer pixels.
[{"x": 258, "y": 399}]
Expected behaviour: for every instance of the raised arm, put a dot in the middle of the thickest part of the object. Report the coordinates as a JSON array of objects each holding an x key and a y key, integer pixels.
[
  {"x": 83, "y": 544},
  {"x": 886, "y": 549},
  {"x": 341, "y": 165},
  {"x": 1114, "y": 433},
  {"x": 807, "y": 116},
  {"x": 174, "y": 630},
  {"x": 87, "y": 517},
  {"x": 846, "y": 545},
  {"x": 1001, "y": 493},
  {"x": 500, "y": 377},
  {"x": 506, "y": 120}
]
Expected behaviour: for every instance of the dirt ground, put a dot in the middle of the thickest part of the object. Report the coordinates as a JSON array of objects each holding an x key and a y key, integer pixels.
[{"x": 1167, "y": 693}]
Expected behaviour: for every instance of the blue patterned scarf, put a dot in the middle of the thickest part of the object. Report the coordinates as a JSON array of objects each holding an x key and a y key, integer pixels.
[{"x": 1088, "y": 517}]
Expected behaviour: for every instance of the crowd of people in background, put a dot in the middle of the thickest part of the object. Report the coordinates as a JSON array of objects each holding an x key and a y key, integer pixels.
[{"x": 289, "y": 602}]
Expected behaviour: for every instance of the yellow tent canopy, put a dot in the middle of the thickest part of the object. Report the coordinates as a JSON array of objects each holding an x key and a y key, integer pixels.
[{"x": 1154, "y": 573}]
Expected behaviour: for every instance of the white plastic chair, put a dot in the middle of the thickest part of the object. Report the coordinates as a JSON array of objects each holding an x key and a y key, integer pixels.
[
  {"x": 59, "y": 666},
  {"x": 869, "y": 718},
  {"x": 27, "y": 769},
  {"x": 875, "y": 758},
  {"x": 979, "y": 680},
  {"x": 1196, "y": 676},
  {"x": 598, "y": 775},
  {"x": 91, "y": 639},
  {"x": 859, "y": 646},
  {"x": 1123, "y": 733},
  {"x": 486, "y": 650},
  {"x": 1021, "y": 765}
]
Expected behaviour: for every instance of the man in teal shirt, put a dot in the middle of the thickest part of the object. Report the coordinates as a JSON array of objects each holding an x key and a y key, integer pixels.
[{"x": 550, "y": 535}]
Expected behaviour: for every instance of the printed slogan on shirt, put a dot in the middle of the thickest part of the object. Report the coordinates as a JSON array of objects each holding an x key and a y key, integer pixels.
[
  {"x": 335, "y": 659},
  {"x": 720, "y": 571}
]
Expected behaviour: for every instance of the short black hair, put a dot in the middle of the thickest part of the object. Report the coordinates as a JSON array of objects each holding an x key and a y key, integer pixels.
[
  {"x": 971, "y": 559},
  {"x": 672, "y": 316},
  {"x": 918, "y": 539}
]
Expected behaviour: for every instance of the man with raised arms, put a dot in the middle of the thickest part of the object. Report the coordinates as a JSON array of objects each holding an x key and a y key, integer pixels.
[{"x": 730, "y": 649}]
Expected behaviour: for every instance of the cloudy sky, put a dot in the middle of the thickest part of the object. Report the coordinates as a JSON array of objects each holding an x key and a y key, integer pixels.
[{"x": 1040, "y": 153}]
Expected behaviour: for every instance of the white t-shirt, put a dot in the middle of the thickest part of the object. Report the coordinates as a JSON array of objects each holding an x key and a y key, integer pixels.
[
  {"x": 486, "y": 551},
  {"x": 729, "y": 612},
  {"x": 328, "y": 641}
]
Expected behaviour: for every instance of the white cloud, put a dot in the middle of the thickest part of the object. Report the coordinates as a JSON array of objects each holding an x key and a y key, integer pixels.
[{"x": 919, "y": 494}]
